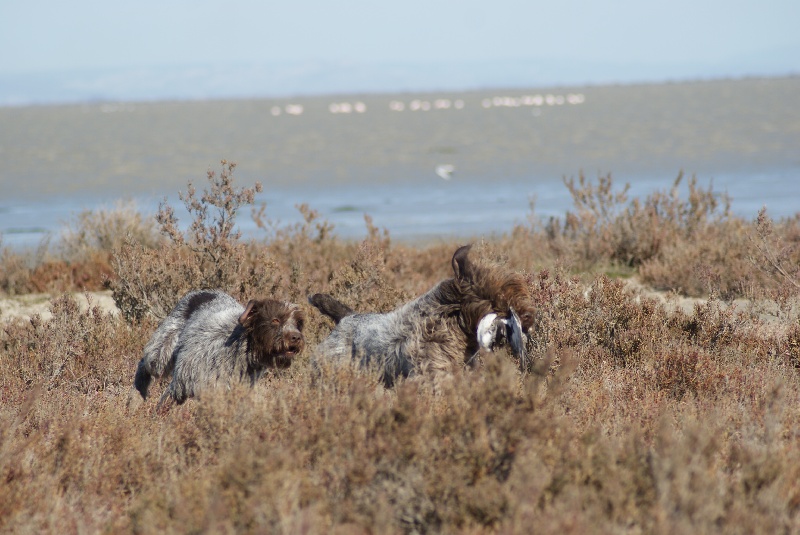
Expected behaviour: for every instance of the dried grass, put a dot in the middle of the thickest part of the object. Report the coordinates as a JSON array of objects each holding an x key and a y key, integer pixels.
[{"x": 631, "y": 418}]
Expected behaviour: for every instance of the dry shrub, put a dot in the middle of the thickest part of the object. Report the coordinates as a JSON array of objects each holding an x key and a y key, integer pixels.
[
  {"x": 212, "y": 238},
  {"x": 105, "y": 230},
  {"x": 81, "y": 259},
  {"x": 587, "y": 235},
  {"x": 713, "y": 261},
  {"x": 713, "y": 325},
  {"x": 775, "y": 252},
  {"x": 602, "y": 323},
  {"x": 682, "y": 370},
  {"x": 788, "y": 347},
  {"x": 362, "y": 284},
  {"x": 15, "y": 272},
  {"x": 209, "y": 255},
  {"x": 88, "y": 274},
  {"x": 338, "y": 452},
  {"x": 631, "y": 418},
  {"x": 691, "y": 244},
  {"x": 149, "y": 282},
  {"x": 657, "y": 422},
  {"x": 308, "y": 252},
  {"x": 86, "y": 351}
]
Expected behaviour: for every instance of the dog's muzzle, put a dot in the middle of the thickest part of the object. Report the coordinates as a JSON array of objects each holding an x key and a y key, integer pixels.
[{"x": 293, "y": 344}]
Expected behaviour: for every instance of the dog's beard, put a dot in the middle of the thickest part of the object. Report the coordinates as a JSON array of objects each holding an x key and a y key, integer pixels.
[
  {"x": 284, "y": 354},
  {"x": 283, "y": 360}
]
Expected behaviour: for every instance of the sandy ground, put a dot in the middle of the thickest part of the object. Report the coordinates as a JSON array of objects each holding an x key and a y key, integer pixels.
[
  {"x": 765, "y": 312},
  {"x": 25, "y": 306}
]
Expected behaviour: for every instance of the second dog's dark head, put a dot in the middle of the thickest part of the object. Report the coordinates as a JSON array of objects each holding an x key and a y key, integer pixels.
[
  {"x": 485, "y": 289},
  {"x": 274, "y": 331}
]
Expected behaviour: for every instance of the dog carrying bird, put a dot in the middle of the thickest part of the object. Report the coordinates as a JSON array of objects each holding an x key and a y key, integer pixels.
[{"x": 481, "y": 307}]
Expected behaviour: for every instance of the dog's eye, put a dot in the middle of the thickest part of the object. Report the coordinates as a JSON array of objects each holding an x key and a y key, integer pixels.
[{"x": 276, "y": 321}]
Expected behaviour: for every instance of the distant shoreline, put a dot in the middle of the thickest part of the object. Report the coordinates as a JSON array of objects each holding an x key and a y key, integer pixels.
[
  {"x": 382, "y": 154},
  {"x": 312, "y": 95}
]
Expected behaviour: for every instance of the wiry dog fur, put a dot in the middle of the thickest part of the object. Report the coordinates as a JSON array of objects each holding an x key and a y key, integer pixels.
[
  {"x": 209, "y": 337},
  {"x": 433, "y": 334}
]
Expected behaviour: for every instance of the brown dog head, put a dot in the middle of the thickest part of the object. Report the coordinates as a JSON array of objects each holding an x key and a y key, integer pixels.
[
  {"x": 486, "y": 289},
  {"x": 274, "y": 331}
]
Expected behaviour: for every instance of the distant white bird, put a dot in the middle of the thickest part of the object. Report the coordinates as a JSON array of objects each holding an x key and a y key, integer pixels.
[
  {"x": 294, "y": 109},
  {"x": 445, "y": 170},
  {"x": 578, "y": 98}
]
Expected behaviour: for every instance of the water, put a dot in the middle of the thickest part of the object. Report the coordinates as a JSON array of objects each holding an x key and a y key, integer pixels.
[{"x": 743, "y": 135}]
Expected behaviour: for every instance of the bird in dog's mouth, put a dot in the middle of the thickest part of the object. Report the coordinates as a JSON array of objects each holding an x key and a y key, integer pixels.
[{"x": 495, "y": 331}]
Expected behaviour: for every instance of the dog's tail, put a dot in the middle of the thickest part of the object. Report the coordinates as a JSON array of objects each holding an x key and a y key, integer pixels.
[
  {"x": 329, "y": 306},
  {"x": 143, "y": 379}
]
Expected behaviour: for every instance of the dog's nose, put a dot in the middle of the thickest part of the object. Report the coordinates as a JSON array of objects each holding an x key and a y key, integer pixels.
[{"x": 295, "y": 338}]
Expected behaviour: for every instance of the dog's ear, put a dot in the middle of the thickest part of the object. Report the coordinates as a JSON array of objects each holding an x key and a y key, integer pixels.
[
  {"x": 248, "y": 310},
  {"x": 461, "y": 265}
]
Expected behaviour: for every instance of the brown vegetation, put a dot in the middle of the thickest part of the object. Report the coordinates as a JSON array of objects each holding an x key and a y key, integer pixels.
[{"x": 631, "y": 417}]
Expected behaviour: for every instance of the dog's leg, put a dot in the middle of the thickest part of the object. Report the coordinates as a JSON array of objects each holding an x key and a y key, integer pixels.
[
  {"x": 143, "y": 379},
  {"x": 165, "y": 403}
]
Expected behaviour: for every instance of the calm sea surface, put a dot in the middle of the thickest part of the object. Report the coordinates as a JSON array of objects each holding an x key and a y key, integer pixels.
[{"x": 505, "y": 148}]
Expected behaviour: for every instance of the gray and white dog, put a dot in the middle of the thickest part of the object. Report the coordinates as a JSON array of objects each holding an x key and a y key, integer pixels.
[
  {"x": 481, "y": 307},
  {"x": 209, "y": 337}
]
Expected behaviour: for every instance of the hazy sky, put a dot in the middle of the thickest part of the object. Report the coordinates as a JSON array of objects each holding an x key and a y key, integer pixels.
[{"x": 48, "y": 35}]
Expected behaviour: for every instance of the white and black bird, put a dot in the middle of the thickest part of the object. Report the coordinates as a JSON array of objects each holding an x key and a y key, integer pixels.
[
  {"x": 487, "y": 331},
  {"x": 493, "y": 331}
]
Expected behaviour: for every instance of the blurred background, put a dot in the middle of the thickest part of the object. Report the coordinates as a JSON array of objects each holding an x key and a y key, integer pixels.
[{"x": 436, "y": 118}]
